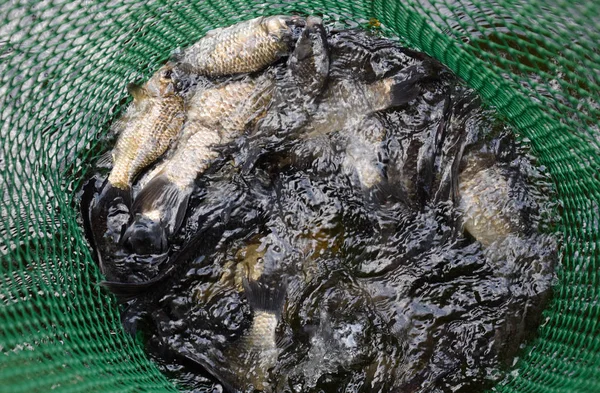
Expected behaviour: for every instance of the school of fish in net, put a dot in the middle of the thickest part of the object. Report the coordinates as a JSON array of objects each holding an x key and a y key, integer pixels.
[{"x": 292, "y": 208}]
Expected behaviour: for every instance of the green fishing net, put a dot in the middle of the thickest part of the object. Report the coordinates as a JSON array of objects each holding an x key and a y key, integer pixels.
[{"x": 64, "y": 66}]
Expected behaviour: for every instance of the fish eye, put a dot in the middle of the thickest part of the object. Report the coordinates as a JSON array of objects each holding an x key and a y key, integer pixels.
[{"x": 166, "y": 74}]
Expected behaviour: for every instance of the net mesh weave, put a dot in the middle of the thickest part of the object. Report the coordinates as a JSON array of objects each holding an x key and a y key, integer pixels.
[{"x": 64, "y": 66}]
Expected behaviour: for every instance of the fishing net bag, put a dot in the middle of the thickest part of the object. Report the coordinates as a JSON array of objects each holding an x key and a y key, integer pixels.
[{"x": 64, "y": 66}]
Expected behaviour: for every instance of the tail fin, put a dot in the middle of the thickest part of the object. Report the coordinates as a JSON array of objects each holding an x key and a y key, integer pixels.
[
  {"x": 109, "y": 197},
  {"x": 309, "y": 63},
  {"x": 162, "y": 194},
  {"x": 402, "y": 92},
  {"x": 218, "y": 369},
  {"x": 265, "y": 297},
  {"x": 405, "y": 85}
]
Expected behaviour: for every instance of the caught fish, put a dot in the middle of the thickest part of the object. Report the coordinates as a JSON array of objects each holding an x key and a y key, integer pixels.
[
  {"x": 295, "y": 94},
  {"x": 257, "y": 351},
  {"x": 248, "y": 46},
  {"x": 339, "y": 336},
  {"x": 244, "y": 365},
  {"x": 216, "y": 115},
  {"x": 151, "y": 124},
  {"x": 308, "y": 66},
  {"x": 349, "y": 107},
  {"x": 365, "y": 154},
  {"x": 347, "y": 101},
  {"x": 147, "y": 129},
  {"x": 489, "y": 213}
]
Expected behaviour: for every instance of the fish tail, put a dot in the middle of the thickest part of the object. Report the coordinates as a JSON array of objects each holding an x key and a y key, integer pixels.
[
  {"x": 267, "y": 297},
  {"x": 160, "y": 209},
  {"x": 234, "y": 370},
  {"x": 295, "y": 25},
  {"x": 406, "y": 85},
  {"x": 162, "y": 194},
  {"x": 218, "y": 369},
  {"x": 309, "y": 63},
  {"x": 404, "y": 91}
]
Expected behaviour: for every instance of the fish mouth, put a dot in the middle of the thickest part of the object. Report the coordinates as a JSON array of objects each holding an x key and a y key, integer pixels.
[
  {"x": 294, "y": 21},
  {"x": 295, "y": 25},
  {"x": 145, "y": 236},
  {"x": 182, "y": 76}
]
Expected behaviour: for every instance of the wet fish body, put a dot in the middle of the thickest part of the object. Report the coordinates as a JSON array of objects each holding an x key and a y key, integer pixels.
[
  {"x": 216, "y": 115},
  {"x": 347, "y": 102},
  {"x": 248, "y": 46},
  {"x": 350, "y": 107},
  {"x": 365, "y": 153},
  {"x": 296, "y": 91},
  {"x": 152, "y": 122},
  {"x": 244, "y": 365},
  {"x": 147, "y": 129},
  {"x": 488, "y": 211}
]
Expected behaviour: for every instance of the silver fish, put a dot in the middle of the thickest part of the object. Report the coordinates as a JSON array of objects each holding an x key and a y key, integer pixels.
[
  {"x": 244, "y": 365},
  {"x": 489, "y": 212},
  {"x": 346, "y": 102},
  {"x": 149, "y": 126},
  {"x": 257, "y": 351},
  {"x": 348, "y": 106},
  {"x": 296, "y": 91},
  {"x": 248, "y": 46},
  {"x": 365, "y": 152},
  {"x": 216, "y": 115},
  {"x": 146, "y": 130}
]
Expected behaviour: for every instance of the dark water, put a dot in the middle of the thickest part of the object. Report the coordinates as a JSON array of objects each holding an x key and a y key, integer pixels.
[{"x": 385, "y": 291}]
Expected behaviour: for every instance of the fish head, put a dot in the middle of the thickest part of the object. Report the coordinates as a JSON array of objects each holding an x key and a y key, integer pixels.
[
  {"x": 146, "y": 236},
  {"x": 309, "y": 62},
  {"x": 284, "y": 28},
  {"x": 165, "y": 82}
]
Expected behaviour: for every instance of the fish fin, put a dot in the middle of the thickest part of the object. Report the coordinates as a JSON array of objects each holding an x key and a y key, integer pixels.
[
  {"x": 86, "y": 202},
  {"x": 403, "y": 92},
  {"x": 137, "y": 92},
  {"x": 105, "y": 160},
  {"x": 110, "y": 193},
  {"x": 108, "y": 214},
  {"x": 220, "y": 372},
  {"x": 264, "y": 297},
  {"x": 308, "y": 66},
  {"x": 148, "y": 234},
  {"x": 406, "y": 85},
  {"x": 105, "y": 205},
  {"x": 171, "y": 200}
]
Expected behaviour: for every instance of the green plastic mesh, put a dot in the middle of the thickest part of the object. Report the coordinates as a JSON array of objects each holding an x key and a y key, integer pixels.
[{"x": 63, "y": 70}]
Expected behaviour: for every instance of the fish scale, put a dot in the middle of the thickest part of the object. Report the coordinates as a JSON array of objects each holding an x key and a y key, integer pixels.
[
  {"x": 216, "y": 116},
  {"x": 150, "y": 125},
  {"x": 245, "y": 47}
]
